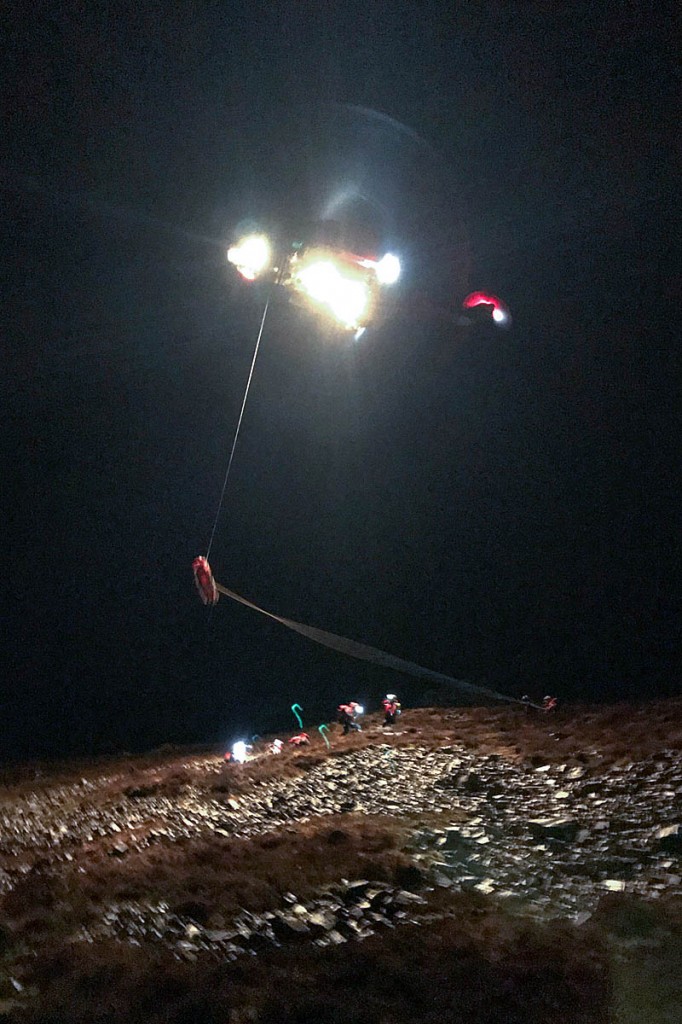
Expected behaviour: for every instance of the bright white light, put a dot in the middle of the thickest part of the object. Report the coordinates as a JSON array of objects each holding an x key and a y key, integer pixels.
[
  {"x": 388, "y": 269},
  {"x": 251, "y": 256},
  {"x": 359, "y": 333},
  {"x": 347, "y": 298},
  {"x": 359, "y": 710},
  {"x": 239, "y": 751},
  {"x": 499, "y": 315},
  {"x": 349, "y": 301},
  {"x": 319, "y": 280}
]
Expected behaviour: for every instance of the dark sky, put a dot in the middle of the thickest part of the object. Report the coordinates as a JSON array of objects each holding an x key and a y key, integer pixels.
[{"x": 502, "y": 506}]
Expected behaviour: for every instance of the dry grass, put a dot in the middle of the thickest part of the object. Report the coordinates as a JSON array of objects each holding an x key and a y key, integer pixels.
[
  {"x": 207, "y": 879},
  {"x": 33, "y": 776},
  {"x": 594, "y": 734},
  {"x": 476, "y": 966}
]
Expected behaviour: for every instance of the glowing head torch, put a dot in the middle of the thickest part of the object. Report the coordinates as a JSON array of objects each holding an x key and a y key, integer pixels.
[{"x": 239, "y": 751}]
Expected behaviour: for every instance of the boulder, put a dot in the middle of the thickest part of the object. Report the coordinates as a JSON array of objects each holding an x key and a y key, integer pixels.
[
  {"x": 471, "y": 782},
  {"x": 220, "y": 935},
  {"x": 560, "y": 830},
  {"x": 454, "y": 839},
  {"x": 356, "y": 889},
  {"x": 442, "y": 881},
  {"x": 404, "y": 898},
  {"x": 324, "y": 919},
  {"x": 669, "y": 838},
  {"x": 288, "y": 926}
]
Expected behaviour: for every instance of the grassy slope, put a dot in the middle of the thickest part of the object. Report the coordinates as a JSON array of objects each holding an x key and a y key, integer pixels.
[{"x": 477, "y": 965}]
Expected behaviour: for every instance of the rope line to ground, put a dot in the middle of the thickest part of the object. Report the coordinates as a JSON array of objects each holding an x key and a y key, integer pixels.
[{"x": 364, "y": 652}]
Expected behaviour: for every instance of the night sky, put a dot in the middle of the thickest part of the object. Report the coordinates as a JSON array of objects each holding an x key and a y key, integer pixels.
[{"x": 498, "y": 505}]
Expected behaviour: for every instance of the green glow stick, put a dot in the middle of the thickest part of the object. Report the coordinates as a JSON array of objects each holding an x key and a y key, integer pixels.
[{"x": 322, "y": 729}]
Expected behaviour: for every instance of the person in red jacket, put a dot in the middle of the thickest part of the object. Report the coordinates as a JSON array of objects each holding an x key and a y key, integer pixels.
[
  {"x": 549, "y": 703},
  {"x": 301, "y": 740},
  {"x": 391, "y": 706},
  {"x": 347, "y": 715}
]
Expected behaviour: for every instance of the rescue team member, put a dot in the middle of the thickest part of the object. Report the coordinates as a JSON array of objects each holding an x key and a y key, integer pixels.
[
  {"x": 392, "y": 708},
  {"x": 301, "y": 740},
  {"x": 347, "y": 715},
  {"x": 528, "y": 707}
]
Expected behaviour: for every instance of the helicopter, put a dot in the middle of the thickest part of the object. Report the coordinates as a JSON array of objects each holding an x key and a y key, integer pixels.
[{"x": 344, "y": 279}]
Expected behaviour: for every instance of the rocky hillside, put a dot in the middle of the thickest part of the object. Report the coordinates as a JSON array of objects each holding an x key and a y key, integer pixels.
[{"x": 515, "y": 868}]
